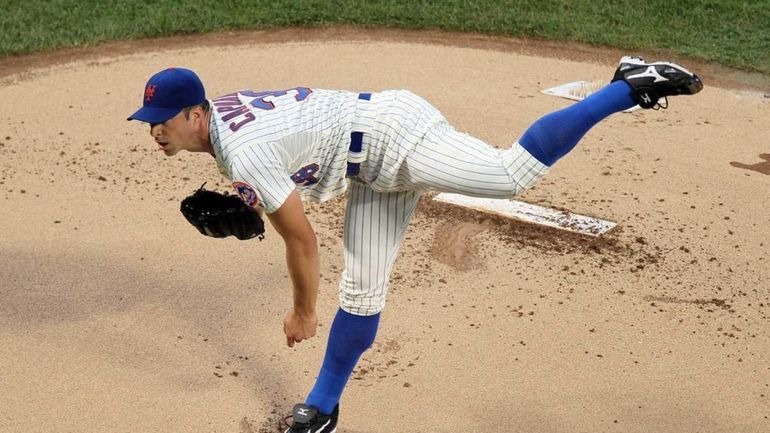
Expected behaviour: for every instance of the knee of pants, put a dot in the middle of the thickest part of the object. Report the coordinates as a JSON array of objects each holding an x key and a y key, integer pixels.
[
  {"x": 367, "y": 302},
  {"x": 524, "y": 169}
]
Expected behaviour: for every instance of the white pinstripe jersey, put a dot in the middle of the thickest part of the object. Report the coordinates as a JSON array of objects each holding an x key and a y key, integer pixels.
[
  {"x": 277, "y": 141},
  {"x": 300, "y": 138}
]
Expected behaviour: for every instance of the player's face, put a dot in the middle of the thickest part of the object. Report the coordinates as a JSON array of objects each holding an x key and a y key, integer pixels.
[{"x": 173, "y": 135}]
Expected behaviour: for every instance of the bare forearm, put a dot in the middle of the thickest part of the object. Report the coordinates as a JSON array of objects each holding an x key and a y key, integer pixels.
[
  {"x": 304, "y": 269},
  {"x": 301, "y": 322}
]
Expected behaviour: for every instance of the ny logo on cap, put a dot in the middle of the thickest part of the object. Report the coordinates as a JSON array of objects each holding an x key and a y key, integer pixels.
[{"x": 149, "y": 92}]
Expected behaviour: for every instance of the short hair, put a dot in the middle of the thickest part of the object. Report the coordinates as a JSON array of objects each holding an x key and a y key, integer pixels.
[{"x": 205, "y": 106}]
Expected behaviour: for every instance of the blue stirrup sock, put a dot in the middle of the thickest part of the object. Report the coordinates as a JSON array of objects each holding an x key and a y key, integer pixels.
[
  {"x": 554, "y": 135},
  {"x": 349, "y": 337}
]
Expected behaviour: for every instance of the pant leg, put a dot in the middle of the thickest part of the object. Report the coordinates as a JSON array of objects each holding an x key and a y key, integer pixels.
[
  {"x": 446, "y": 160},
  {"x": 375, "y": 225}
]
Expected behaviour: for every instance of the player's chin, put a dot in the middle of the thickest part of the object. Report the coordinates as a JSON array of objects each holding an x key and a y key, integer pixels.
[{"x": 169, "y": 151}]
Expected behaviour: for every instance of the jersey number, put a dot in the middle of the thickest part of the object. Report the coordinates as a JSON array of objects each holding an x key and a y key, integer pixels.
[
  {"x": 232, "y": 105},
  {"x": 305, "y": 176},
  {"x": 260, "y": 97}
]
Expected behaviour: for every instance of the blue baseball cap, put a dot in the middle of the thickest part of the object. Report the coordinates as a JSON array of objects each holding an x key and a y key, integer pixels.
[{"x": 167, "y": 93}]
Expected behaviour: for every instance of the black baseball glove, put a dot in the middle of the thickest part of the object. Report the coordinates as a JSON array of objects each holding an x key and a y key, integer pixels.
[{"x": 222, "y": 215}]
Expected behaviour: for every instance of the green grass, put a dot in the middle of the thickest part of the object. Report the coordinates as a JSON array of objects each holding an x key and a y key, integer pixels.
[{"x": 732, "y": 32}]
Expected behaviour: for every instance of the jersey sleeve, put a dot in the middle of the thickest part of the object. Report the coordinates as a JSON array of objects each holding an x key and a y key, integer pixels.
[{"x": 264, "y": 171}]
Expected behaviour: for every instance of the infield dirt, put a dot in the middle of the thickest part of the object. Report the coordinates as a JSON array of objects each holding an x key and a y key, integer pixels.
[{"x": 117, "y": 316}]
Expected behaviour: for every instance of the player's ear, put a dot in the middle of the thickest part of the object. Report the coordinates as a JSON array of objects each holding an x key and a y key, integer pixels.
[{"x": 197, "y": 114}]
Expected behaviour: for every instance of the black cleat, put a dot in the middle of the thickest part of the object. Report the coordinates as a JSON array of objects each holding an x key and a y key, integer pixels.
[
  {"x": 652, "y": 81},
  {"x": 307, "y": 419}
]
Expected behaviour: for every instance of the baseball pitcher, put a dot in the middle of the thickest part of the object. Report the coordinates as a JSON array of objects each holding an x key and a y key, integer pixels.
[{"x": 282, "y": 147}]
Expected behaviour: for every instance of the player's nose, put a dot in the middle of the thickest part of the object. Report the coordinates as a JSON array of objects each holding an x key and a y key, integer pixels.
[{"x": 155, "y": 130}]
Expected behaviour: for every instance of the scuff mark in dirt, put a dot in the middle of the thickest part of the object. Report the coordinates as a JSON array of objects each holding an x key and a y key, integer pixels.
[
  {"x": 454, "y": 245},
  {"x": 721, "y": 303},
  {"x": 760, "y": 167}
]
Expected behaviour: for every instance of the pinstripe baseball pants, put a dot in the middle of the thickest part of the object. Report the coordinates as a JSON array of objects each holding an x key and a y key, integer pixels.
[{"x": 411, "y": 149}]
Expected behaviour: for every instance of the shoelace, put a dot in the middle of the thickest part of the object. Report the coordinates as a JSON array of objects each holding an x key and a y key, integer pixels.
[{"x": 659, "y": 106}]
